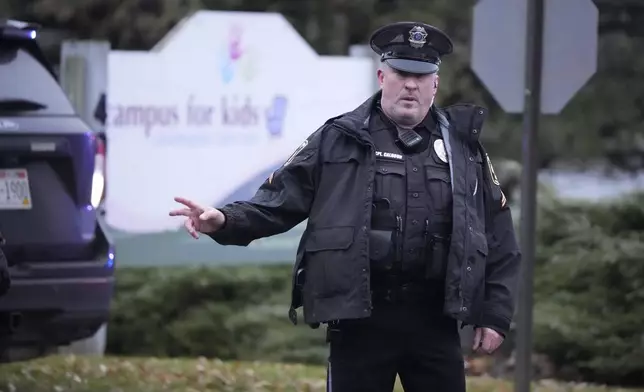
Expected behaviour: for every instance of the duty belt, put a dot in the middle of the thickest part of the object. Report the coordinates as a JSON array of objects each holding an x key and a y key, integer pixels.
[{"x": 409, "y": 293}]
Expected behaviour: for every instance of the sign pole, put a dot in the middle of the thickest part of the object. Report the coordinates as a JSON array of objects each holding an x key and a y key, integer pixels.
[
  {"x": 558, "y": 62},
  {"x": 531, "y": 114}
]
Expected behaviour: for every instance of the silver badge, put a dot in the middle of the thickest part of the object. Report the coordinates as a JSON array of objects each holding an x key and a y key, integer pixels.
[
  {"x": 439, "y": 148},
  {"x": 417, "y": 37}
]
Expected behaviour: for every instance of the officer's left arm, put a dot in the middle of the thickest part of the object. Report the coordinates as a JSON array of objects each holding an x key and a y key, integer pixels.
[
  {"x": 502, "y": 267},
  {"x": 280, "y": 203}
]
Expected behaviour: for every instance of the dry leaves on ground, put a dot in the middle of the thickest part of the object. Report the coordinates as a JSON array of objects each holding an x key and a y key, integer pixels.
[{"x": 76, "y": 374}]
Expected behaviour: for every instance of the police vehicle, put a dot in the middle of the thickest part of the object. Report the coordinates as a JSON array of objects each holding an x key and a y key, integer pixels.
[{"x": 51, "y": 187}]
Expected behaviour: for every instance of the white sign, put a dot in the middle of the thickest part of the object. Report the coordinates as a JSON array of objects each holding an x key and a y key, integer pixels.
[
  {"x": 223, "y": 98},
  {"x": 14, "y": 190}
]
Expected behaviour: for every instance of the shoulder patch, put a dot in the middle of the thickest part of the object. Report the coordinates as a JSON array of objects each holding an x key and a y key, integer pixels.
[
  {"x": 297, "y": 151},
  {"x": 290, "y": 159}
]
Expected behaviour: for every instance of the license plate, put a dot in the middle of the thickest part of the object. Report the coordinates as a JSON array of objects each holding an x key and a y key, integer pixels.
[{"x": 14, "y": 190}]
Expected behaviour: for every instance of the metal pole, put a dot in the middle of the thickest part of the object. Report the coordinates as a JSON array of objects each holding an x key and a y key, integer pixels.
[{"x": 532, "y": 112}]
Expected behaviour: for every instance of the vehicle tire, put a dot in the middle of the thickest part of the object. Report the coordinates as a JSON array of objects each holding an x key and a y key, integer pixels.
[
  {"x": 93, "y": 345},
  {"x": 19, "y": 354}
]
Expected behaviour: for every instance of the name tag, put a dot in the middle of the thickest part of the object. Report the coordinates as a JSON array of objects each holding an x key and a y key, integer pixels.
[{"x": 389, "y": 155}]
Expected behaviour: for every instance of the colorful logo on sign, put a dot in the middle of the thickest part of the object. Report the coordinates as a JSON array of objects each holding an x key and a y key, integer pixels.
[
  {"x": 276, "y": 115},
  {"x": 237, "y": 58}
]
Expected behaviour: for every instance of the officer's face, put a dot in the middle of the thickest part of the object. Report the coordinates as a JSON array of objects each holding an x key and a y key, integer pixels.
[{"x": 406, "y": 98}]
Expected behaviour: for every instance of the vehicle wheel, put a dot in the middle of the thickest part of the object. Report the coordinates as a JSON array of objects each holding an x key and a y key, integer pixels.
[{"x": 94, "y": 345}]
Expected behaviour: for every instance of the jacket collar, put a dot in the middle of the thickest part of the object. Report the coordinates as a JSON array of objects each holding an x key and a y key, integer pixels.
[{"x": 466, "y": 120}]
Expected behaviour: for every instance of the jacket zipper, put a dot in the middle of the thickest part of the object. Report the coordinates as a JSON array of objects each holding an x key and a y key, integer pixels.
[
  {"x": 425, "y": 236},
  {"x": 426, "y": 245},
  {"x": 398, "y": 260},
  {"x": 467, "y": 227}
]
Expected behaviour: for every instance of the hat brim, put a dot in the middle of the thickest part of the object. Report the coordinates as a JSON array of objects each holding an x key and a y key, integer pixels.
[{"x": 412, "y": 66}]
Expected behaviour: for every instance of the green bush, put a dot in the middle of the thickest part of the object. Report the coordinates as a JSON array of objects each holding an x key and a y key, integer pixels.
[
  {"x": 589, "y": 289},
  {"x": 228, "y": 313}
]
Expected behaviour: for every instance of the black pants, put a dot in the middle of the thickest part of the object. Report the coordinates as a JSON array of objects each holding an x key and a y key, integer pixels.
[{"x": 423, "y": 347}]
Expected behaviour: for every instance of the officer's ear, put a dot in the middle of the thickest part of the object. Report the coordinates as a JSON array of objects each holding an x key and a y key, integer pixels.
[
  {"x": 381, "y": 76},
  {"x": 436, "y": 82}
]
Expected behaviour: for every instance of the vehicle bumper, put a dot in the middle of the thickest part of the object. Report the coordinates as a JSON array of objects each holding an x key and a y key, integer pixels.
[{"x": 56, "y": 303}]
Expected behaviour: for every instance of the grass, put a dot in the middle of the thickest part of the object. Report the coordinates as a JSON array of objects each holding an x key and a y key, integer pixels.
[{"x": 110, "y": 374}]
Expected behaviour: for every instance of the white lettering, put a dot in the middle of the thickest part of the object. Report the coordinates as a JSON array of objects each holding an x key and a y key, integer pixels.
[{"x": 390, "y": 155}]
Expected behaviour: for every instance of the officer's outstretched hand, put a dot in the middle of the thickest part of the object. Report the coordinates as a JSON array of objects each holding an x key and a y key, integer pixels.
[
  {"x": 200, "y": 219},
  {"x": 487, "y": 340}
]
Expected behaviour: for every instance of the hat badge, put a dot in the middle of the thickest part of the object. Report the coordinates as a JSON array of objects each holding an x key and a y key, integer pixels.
[{"x": 417, "y": 37}]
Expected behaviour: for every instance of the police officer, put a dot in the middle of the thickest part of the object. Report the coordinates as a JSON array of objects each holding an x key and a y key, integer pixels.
[{"x": 408, "y": 230}]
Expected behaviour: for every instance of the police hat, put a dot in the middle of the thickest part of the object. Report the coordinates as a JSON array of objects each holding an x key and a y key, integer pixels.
[{"x": 411, "y": 47}]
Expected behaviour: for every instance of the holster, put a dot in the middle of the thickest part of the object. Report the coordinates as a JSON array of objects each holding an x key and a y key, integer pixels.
[
  {"x": 436, "y": 253},
  {"x": 382, "y": 236}
]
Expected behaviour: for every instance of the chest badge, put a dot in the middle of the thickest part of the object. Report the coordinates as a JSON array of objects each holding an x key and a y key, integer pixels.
[{"x": 439, "y": 149}]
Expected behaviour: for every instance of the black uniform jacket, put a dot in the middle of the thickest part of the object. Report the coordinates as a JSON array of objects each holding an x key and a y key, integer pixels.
[{"x": 329, "y": 179}]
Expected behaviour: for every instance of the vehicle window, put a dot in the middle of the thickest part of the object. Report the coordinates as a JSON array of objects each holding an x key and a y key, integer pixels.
[{"x": 22, "y": 77}]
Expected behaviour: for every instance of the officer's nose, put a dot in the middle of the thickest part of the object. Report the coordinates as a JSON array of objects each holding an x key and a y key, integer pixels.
[{"x": 411, "y": 83}]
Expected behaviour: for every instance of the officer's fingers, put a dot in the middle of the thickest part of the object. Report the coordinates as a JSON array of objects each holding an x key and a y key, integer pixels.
[
  {"x": 496, "y": 343},
  {"x": 477, "y": 339},
  {"x": 487, "y": 343},
  {"x": 491, "y": 341},
  {"x": 494, "y": 346},
  {"x": 181, "y": 212},
  {"x": 188, "y": 203},
  {"x": 190, "y": 226}
]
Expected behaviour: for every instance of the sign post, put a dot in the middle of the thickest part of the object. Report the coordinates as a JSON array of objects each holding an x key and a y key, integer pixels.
[
  {"x": 534, "y": 70},
  {"x": 534, "y": 57}
]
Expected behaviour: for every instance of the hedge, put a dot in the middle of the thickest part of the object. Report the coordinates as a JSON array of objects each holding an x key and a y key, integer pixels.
[
  {"x": 228, "y": 313},
  {"x": 589, "y": 290}
]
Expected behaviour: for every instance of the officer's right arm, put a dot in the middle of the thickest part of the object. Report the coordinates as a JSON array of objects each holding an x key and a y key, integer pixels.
[{"x": 280, "y": 203}]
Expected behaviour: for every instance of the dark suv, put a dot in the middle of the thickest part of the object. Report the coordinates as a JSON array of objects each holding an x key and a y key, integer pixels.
[{"x": 51, "y": 186}]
